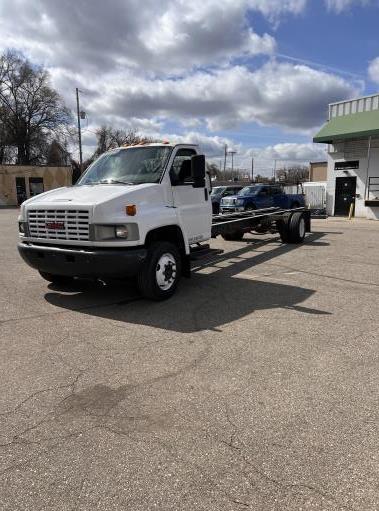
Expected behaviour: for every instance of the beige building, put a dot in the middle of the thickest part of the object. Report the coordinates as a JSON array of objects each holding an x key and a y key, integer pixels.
[
  {"x": 318, "y": 171},
  {"x": 19, "y": 182}
]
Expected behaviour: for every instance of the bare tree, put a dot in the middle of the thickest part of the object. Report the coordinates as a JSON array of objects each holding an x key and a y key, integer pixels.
[
  {"x": 31, "y": 112},
  {"x": 294, "y": 174},
  {"x": 263, "y": 179},
  {"x": 57, "y": 154},
  {"x": 213, "y": 170},
  {"x": 110, "y": 138}
]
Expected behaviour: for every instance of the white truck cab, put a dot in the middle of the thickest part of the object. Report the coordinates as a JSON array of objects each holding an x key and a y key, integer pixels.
[{"x": 135, "y": 212}]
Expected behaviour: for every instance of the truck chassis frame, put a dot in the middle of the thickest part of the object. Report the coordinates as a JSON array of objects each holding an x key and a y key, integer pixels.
[{"x": 246, "y": 221}]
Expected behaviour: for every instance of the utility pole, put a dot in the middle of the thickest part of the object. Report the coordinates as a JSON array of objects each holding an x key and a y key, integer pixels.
[
  {"x": 232, "y": 153},
  {"x": 252, "y": 170},
  {"x": 79, "y": 131},
  {"x": 225, "y": 153}
]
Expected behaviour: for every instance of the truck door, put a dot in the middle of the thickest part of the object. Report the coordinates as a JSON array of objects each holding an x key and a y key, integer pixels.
[
  {"x": 193, "y": 204},
  {"x": 265, "y": 199},
  {"x": 279, "y": 199}
]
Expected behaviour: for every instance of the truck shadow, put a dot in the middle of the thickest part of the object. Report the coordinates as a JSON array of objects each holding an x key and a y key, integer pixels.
[{"x": 205, "y": 302}]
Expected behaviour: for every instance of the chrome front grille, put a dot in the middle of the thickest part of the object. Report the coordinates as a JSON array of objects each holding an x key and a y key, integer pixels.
[
  {"x": 228, "y": 202},
  {"x": 59, "y": 224}
]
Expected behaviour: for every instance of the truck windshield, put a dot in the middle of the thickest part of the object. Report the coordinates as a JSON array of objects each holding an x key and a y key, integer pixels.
[
  {"x": 131, "y": 166},
  {"x": 249, "y": 190}
]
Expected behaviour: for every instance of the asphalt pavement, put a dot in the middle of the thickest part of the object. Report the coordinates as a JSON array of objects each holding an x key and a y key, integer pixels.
[{"x": 254, "y": 387}]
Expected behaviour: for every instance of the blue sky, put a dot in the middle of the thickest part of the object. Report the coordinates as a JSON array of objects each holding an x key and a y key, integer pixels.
[{"x": 256, "y": 75}]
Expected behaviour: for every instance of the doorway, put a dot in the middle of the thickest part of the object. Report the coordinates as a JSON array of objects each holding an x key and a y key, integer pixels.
[
  {"x": 20, "y": 190},
  {"x": 345, "y": 194}
]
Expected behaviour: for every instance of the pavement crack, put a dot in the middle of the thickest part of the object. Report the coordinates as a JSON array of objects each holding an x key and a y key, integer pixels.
[{"x": 42, "y": 391}]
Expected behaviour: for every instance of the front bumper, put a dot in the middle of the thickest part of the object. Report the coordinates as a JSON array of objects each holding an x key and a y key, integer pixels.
[
  {"x": 231, "y": 209},
  {"x": 83, "y": 262}
]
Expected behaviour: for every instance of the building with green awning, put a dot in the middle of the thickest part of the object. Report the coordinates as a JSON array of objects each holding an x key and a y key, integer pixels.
[
  {"x": 352, "y": 135},
  {"x": 359, "y": 125}
]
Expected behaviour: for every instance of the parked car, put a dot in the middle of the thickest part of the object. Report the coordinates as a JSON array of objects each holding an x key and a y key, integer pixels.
[
  {"x": 261, "y": 196},
  {"x": 218, "y": 192}
]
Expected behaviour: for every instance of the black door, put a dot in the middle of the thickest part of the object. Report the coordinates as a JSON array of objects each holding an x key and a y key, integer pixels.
[
  {"x": 345, "y": 194},
  {"x": 20, "y": 190}
]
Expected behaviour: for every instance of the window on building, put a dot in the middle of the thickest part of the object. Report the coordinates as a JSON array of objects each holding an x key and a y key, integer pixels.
[
  {"x": 346, "y": 165},
  {"x": 35, "y": 185}
]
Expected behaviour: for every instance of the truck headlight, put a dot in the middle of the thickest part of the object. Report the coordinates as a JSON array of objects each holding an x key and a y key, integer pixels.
[
  {"x": 121, "y": 231},
  {"x": 239, "y": 202},
  {"x": 114, "y": 232},
  {"x": 23, "y": 228}
]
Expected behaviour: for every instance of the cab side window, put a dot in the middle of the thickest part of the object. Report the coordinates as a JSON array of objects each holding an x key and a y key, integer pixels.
[{"x": 180, "y": 172}]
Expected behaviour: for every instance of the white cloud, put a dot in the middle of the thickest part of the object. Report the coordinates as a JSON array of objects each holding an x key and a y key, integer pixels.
[
  {"x": 373, "y": 70},
  {"x": 171, "y": 61},
  {"x": 275, "y": 9},
  {"x": 292, "y": 152},
  {"x": 293, "y": 97},
  {"x": 170, "y": 35},
  {"x": 341, "y": 5},
  {"x": 211, "y": 146}
]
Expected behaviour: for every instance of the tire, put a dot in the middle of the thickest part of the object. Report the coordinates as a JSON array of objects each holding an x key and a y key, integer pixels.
[
  {"x": 233, "y": 236},
  {"x": 56, "y": 279},
  {"x": 292, "y": 229},
  {"x": 251, "y": 207},
  {"x": 295, "y": 205},
  {"x": 160, "y": 273}
]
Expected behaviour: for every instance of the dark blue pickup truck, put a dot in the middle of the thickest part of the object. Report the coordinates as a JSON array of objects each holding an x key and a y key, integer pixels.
[{"x": 261, "y": 196}]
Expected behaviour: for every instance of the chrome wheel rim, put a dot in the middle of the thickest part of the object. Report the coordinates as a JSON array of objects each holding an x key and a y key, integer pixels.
[{"x": 165, "y": 271}]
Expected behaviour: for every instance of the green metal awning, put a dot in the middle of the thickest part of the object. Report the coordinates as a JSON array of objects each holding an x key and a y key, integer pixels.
[{"x": 359, "y": 125}]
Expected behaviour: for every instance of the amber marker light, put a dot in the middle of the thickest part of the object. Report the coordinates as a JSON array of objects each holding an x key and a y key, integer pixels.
[{"x": 131, "y": 209}]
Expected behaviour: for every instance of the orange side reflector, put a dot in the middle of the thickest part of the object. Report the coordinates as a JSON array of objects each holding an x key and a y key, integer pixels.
[{"x": 131, "y": 210}]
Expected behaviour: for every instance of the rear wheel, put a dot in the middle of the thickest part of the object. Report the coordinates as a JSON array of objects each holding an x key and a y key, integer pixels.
[
  {"x": 160, "y": 274},
  {"x": 292, "y": 229},
  {"x": 56, "y": 279}
]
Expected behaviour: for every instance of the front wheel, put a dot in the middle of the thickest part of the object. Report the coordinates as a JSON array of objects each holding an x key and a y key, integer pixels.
[{"x": 160, "y": 274}]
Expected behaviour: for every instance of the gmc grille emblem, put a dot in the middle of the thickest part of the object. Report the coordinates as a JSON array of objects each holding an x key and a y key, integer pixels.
[{"x": 56, "y": 226}]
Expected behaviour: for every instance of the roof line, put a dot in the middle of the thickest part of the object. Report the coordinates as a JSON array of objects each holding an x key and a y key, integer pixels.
[{"x": 354, "y": 99}]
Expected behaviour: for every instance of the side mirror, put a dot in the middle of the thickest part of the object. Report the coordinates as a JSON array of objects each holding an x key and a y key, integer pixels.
[{"x": 198, "y": 170}]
